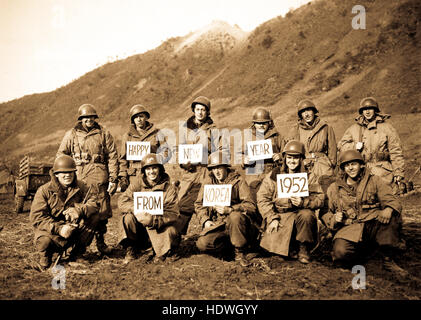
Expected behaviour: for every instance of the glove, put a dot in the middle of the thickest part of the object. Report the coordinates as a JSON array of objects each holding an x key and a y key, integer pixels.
[
  {"x": 71, "y": 214},
  {"x": 66, "y": 231},
  {"x": 112, "y": 188},
  {"x": 124, "y": 183},
  {"x": 223, "y": 210},
  {"x": 158, "y": 222}
]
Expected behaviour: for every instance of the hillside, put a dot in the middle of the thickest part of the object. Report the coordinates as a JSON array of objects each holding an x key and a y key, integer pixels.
[{"x": 312, "y": 52}]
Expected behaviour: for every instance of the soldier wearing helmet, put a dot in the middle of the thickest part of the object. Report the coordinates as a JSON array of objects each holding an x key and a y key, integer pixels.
[
  {"x": 362, "y": 210},
  {"x": 232, "y": 226},
  {"x": 141, "y": 230},
  {"x": 64, "y": 214},
  {"x": 290, "y": 224},
  {"x": 318, "y": 138},
  {"x": 143, "y": 131},
  {"x": 94, "y": 151},
  {"x": 378, "y": 142}
]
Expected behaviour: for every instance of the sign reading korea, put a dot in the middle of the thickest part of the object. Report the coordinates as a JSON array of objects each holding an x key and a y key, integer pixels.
[
  {"x": 136, "y": 150},
  {"x": 292, "y": 185},
  {"x": 192, "y": 153},
  {"x": 217, "y": 195},
  {"x": 259, "y": 149},
  {"x": 151, "y": 202}
]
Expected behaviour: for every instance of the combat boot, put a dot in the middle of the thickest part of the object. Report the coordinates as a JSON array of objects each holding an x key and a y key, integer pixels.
[
  {"x": 241, "y": 259},
  {"x": 130, "y": 254},
  {"x": 101, "y": 245},
  {"x": 303, "y": 255}
]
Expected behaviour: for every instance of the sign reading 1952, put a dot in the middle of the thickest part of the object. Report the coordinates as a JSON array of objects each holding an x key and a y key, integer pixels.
[{"x": 292, "y": 185}]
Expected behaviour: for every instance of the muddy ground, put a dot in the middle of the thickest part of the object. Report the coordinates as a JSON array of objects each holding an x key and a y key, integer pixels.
[{"x": 199, "y": 276}]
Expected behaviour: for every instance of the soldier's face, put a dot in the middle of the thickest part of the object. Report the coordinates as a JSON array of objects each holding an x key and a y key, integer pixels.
[
  {"x": 262, "y": 126},
  {"x": 220, "y": 173},
  {"x": 65, "y": 178},
  {"x": 308, "y": 115},
  {"x": 292, "y": 161},
  {"x": 369, "y": 113},
  {"x": 88, "y": 122},
  {"x": 140, "y": 120},
  {"x": 352, "y": 169},
  {"x": 200, "y": 112},
  {"x": 152, "y": 173}
]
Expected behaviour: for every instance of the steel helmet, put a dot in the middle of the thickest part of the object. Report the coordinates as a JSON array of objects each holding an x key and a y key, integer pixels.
[
  {"x": 137, "y": 109},
  {"x": 294, "y": 147},
  {"x": 261, "y": 115},
  {"x": 152, "y": 159},
  {"x": 64, "y": 163},
  {"x": 219, "y": 158},
  {"x": 350, "y": 155},
  {"x": 306, "y": 104},
  {"x": 86, "y": 110},
  {"x": 203, "y": 101},
  {"x": 368, "y": 102}
]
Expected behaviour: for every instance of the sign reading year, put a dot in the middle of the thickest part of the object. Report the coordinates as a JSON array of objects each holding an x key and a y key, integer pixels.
[
  {"x": 136, "y": 150},
  {"x": 292, "y": 185},
  {"x": 259, "y": 149},
  {"x": 151, "y": 202},
  {"x": 217, "y": 195}
]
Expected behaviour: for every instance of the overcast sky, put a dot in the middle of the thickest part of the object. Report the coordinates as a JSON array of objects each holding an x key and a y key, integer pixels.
[{"x": 45, "y": 44}]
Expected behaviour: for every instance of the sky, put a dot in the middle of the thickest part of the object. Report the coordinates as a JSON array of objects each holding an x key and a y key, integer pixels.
[{"x": 45, "y": 44}]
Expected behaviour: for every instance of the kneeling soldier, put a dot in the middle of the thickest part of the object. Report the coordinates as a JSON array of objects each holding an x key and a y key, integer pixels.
[
  {"x": 64, "y": 213},
  {"x": 226, "y": 226},
  {"x": 141, "y": 228},
  {"x": 290, "y": 221},
  {"x": 363, "y": 210}
]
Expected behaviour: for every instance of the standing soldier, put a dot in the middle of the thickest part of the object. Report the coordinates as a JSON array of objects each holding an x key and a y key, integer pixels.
[
  {"x": 318, "y": 139},
  {"x": 263, "y": 126},
  {"x": 94, "y": 151},
  {"x": 289, "y": 222},
  {"x": 197, "y": 130},
  {"x": 378, "y": 143},
  {"x": 233, "y": 225},
  {"x": 140, "y": 130},
  {"x": 141, "y": 228},
  {"x": 362, "y": 211}
]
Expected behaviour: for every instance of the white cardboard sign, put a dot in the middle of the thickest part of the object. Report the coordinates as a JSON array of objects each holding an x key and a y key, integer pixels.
[
  {"x": 192, "y": 153},
  {"x": 136, "y": 150},
  {"x": 259, "y": 149},
  {"x": 292, "y": 185},
  {"x": 217, "y": 195},
  {"x": 151, "y": 202}
]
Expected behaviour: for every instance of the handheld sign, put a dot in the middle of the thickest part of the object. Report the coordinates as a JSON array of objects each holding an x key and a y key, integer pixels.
[
  {"x": 292, "y": 185},
  {"x": 136, "y": 150},
  {"x": 150, "y": 202},
  {"x": 192, "y": 153},
  {"x": 217, "y": 195},
  {"x": 259, "y": 149}
]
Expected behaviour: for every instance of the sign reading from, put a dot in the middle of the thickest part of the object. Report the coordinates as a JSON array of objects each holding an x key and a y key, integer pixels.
[
  {"x": 151, "y": 202},
  {"x": 259, "y": 150},
  {"x": 217, "y": 195},
  {"x": 292, "y": 185},
  {"x": 136, "y": 150},
  {"x": 192, "y": 153}
]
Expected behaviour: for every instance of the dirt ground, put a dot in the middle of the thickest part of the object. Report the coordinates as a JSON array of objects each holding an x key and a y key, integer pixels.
[{"x": 199, "y": 276}]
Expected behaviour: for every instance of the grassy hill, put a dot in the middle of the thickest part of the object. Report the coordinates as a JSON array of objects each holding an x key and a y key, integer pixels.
[{"x": 313, "y": 52}]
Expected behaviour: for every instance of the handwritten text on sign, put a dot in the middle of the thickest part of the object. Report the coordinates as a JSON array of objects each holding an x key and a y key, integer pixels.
[
  {"x": 217, "y": 195},
  {"x": 150, "y": 202},
  {"x": 260, "y": 149},
  {"x": 136, "y": 150},
  {"x": 292, "y": 185},
  {"x": 190, "y": 153}
]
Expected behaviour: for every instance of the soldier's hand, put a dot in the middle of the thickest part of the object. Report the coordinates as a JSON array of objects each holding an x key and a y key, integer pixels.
[
  {"x": 385, "y": 215},
  {"x": 146, "y": 219},
  {"x": 112, "y": 188},
  {"x": 276, "y": 157},
  {"x": 66, "y": 231},
  {"x": 208, "y": 224},
  {"x": 223, "y": 210},
  {"x": 297, "y": 201},
  {"x": 124, "y": 183},
  {"x": 71, "y": 214},
  {"x": 273, "y": 226},
  {"x": 339, "y": 216}
]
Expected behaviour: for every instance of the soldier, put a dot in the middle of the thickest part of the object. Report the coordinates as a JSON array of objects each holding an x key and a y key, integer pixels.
[
  {"x": 94, "y": 151},
  {"x": 362, "y": 210},
  {"x": 318, "y": 139},
  {"x": 378, "y": 143},
  {"x": 227, "y": 226},
  {"x": 139, "y": 229},
  {"x": 198, "y": 130},
  {"x": 140, "y": 130},
  {"x": 64, "y": 213},
  {"x": 262, "y": 125},
  {"x": 289, "y": 222}
]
